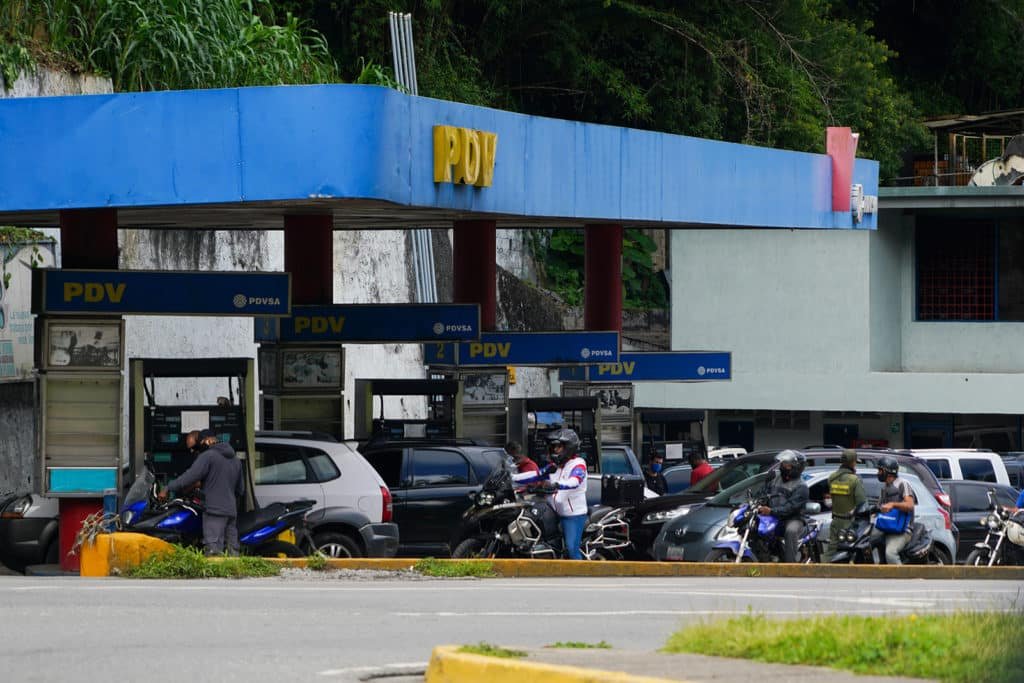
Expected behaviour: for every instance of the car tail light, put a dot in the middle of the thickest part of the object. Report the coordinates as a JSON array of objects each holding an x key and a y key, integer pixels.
[
  {"x": 387, "y": 508},
  {"x": 944, "y": 500},
  {"x": 946, "y": 517}
]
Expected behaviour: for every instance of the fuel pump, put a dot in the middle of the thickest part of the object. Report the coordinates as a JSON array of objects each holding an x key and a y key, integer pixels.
[
  {"x": 157, "y": 426},
  {"x": 444, "y": 409},
  {"x": 531, "y": 420}
]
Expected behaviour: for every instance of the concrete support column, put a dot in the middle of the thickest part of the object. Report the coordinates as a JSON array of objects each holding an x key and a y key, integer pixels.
[
  {"x": 88, "y": 239},
  {"x": 309, "y": 257},
  {"x": 602, "y": 278},
  {"x": 475, "y": 276}
]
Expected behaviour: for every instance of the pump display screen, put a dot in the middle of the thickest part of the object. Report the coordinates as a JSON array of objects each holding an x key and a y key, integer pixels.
[{"x": 165, "y": 428}]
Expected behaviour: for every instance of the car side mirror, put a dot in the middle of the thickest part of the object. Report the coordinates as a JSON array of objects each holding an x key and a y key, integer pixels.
[{"x": 812, "y": 508}]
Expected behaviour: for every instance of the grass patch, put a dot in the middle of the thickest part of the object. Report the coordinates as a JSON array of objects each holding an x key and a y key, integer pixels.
[
  {"x": 430, "y": 566},
  {"x": 489, "y": 650},
  {"x": 316, "y": 562},
  {"x": 965, "y": 647},
  {"x": 190, "y": 563},
  {"x": 576, "y": 645}
]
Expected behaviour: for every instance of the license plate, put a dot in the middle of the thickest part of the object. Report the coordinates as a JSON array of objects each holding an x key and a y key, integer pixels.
[{"x": 674, "y": 553}]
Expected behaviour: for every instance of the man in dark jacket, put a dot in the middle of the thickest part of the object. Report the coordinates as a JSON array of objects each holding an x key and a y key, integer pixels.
[
  {"x": 653, "y": 477},
  {"x": 786, "y": 499},
  {"x": 221, "y": 474}
]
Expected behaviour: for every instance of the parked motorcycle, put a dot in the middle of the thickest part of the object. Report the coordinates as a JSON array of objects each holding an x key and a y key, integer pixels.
[
  {"x": 1004, "y": 539},
  {"x": 753, "y": 537},
  {"x": 181, "y": 520},
  {"x": 856, "y": 546},
  {"x": 504, "y": 522}
]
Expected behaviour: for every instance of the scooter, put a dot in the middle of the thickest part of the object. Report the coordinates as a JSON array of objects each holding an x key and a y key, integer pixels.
[
  {"x": 180, "y": 520},
  {"x": 752, "y": 537},
  {"x": 856, "y": 546},
  {"x": 1004, "y": 537},
  {"x": 504, "y": 522}
]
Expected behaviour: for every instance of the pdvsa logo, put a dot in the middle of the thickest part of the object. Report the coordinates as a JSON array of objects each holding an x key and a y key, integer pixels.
[
  {"x": 241, "y": 301},
  {"x": 596, "y": 353},
  {"x": 441, "y": 328},
  {"x": 702, "y": 371}
]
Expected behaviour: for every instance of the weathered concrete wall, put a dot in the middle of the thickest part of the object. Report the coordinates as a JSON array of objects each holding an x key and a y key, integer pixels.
[
  {"x": 43, "y": 82},
  {"x": 17, "y": 436}
]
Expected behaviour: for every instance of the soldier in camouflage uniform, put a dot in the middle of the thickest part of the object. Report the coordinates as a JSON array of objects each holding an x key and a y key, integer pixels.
[{"x": 847, "y": 491}]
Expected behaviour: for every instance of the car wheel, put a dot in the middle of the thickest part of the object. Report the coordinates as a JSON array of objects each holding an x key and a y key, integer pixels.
[
  {"x": 939, "y": 556},
  {"x": 277, "y": 549},
  {"x": 471, "y": 547},
  {"x": 334, "y": 544},
  {"x": 53, "y": 552}
]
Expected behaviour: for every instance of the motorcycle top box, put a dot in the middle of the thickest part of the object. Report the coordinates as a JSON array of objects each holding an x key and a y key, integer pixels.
[{"x": 622, "y": 490}]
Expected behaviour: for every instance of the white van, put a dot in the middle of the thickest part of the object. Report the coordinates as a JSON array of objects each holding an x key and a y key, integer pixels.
[{"x": 964, "y": 463}]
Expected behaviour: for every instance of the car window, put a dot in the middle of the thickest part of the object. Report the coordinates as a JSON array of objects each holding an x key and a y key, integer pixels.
[
  {"x": 279, "y": 465},
  {"x": 388, "y": 465},
  {"x": 1016, "y": 475},
  {"x": 872, "y": 487},
  {"x": 614, "y": 461},
  {"x": 977, "y": 469},
  {"x": 439, "y": 468},
  {"x": 322, "y": 465},
  {"x": 971, "y": 499},
  {"x": 1005, "y": 496},
  {"x": 737, "y": 493},
  {"x": 940, "y": 468},
  {"x": 816, "y": 493}
]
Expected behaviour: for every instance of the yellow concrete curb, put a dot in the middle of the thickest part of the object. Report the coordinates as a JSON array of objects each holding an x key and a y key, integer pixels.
[
  {"x": 555, "y": 568},
  {"x": 448, "y": 665},
  {"x": 111, "y": 554}
]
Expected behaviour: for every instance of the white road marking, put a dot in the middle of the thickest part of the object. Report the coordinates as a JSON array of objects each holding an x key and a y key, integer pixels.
[
  {"x": 651, "y": 613},
  {"x": 412, "y": 667}
]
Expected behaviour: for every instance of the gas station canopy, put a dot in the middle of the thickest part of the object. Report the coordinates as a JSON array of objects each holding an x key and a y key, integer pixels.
[{"x": 243, "y": 158}]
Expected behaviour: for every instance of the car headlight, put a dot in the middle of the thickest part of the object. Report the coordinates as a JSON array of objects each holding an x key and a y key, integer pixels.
[
  {"x": 20, "y": 507},
  {"x": 665, "y": 515}
]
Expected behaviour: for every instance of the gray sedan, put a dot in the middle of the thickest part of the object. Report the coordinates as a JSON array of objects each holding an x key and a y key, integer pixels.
[{"x": 696, "y": 528}]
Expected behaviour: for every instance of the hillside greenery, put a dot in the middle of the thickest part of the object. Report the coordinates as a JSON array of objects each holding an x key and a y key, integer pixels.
[{"x": 773, "y": 73}]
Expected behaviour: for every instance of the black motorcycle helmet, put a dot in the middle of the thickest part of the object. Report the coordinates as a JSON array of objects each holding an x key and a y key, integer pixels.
[
  {"x": 570, "y": 442},
  {"x": 887, "y": 465},
  {"x": 791, "y": 464}
]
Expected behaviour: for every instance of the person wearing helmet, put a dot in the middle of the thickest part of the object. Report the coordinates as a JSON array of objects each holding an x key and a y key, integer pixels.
[
  {"x": 567, "y": 472},
  {"x": 847, "y": 492},
  {"x": 896, "y": 495},
  {"x": 786, "y": 498}
]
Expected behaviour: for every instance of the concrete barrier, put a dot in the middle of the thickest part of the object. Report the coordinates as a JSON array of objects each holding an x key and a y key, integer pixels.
[
  {"x": 448, "y": 665},
  {"x": 111, "y": 554}
]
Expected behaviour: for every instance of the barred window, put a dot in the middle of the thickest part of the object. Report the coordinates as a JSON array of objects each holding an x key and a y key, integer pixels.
[{"x": 956, "y": 271}]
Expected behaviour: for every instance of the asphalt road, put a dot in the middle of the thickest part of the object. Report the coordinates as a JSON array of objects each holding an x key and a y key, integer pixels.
[{"x": 299, "y": 628}]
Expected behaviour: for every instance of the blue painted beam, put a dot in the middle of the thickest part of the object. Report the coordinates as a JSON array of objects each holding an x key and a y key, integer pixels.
[{"x": 339, "y": 142}]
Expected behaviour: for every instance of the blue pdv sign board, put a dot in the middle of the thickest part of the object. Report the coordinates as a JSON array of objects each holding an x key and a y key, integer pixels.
[
  {"x": 668, "y": 366},
  {"x": 372, "y": 323},
  {"x": 158, "y": 292},
  {"x": 527, "y": 348}
]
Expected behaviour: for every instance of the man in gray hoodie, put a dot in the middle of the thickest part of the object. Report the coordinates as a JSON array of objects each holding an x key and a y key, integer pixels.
[{"x": 221, "y": 475}]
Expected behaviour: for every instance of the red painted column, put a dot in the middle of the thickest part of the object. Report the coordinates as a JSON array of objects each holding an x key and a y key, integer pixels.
[
  {"x": 602, "y": 277},
  {"x": 309, "y": 257},
  {"x": 88, "y": 240},
  {"x": 476, "y": 275}
]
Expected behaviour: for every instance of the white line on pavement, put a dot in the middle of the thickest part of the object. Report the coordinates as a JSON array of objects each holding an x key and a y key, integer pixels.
[{"x": 396, "y": 668}]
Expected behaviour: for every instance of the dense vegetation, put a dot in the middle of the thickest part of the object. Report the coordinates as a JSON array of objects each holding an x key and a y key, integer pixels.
[{"x": 765, "y": 72}]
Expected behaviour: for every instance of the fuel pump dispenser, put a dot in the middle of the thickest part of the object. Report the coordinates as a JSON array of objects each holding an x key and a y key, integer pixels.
[
  {"x": 531, "y": 420},
  {"x": 157, "y": 427},
  {"x": 675, "y": 434},
  {"x": 444, "y": 409}
]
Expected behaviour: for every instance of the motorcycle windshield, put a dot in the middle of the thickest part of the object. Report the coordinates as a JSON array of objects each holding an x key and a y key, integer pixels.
[
  {"x": 499, "y": 481},
  {"x": 140, "y": 488}
]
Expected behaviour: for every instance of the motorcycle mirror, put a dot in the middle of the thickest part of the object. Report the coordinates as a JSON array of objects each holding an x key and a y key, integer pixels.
[{"x": 812, "y": 508}]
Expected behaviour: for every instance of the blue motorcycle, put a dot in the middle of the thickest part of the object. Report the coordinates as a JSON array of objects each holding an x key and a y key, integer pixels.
[
  {"x": 181, "y": 520},
  {"x": 752, "y": 537}
]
